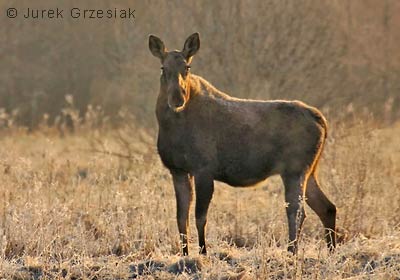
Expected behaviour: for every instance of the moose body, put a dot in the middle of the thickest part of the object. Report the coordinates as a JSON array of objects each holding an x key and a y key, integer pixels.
[{"x": 206, "y": 135}]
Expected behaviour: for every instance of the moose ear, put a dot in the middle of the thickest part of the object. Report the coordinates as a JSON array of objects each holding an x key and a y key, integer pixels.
[
  {"x": 157, "y": 47},
  {"x": 192, "y": 45}
]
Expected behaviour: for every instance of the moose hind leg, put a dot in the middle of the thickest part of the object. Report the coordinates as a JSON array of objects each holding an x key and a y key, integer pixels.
[
  {"x": 324, "y": 208},
  {"x": 294, "y": 190},
  {"x": 183, "y": 192},
  {"x": 204, "y": 186}
]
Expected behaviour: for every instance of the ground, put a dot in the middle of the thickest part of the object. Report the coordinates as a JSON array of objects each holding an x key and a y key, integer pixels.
[{"x": 92, "y": 205}]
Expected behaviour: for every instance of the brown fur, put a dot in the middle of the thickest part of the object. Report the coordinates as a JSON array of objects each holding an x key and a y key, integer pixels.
[{"x": 207, "y": 135}]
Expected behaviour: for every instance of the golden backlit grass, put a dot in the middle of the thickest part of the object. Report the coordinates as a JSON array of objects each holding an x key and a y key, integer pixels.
[{"x": 90, "y": 206}]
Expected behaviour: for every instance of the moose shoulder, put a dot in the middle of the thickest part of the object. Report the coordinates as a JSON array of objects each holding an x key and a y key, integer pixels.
[{"x": 207, "y": 135}]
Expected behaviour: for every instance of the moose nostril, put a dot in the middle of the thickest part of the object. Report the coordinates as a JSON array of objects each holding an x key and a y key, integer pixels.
[{"x": 176, "y": 100}]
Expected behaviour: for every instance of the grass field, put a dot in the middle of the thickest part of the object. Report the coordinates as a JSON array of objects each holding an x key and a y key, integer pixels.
[{"x": 99, "y": 205}]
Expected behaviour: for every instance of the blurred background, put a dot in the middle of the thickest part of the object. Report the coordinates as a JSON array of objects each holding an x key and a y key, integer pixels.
[{"x": 341, "y": 56}]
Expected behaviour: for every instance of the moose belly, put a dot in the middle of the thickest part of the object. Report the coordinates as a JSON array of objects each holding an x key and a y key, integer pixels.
[
  {"x": 236, "y": 181},
  {"x": 245, "y": 162},
  {"x": 242, "y": 174}
]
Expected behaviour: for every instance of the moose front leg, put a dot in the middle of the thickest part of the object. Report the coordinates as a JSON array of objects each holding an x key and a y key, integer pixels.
[
  {"x": 183, "y": 192},
  {"x": 204, "y": 185}
]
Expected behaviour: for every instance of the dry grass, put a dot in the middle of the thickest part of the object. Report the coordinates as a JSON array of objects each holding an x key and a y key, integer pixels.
[{"x": 68, "y": 212}]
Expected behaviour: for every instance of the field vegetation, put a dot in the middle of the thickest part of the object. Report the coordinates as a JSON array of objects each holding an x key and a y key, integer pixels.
[{"x": 91, "y": 205}]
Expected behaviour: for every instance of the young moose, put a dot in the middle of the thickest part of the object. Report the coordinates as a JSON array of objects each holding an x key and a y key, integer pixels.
[{"x": 206, "y": 135}]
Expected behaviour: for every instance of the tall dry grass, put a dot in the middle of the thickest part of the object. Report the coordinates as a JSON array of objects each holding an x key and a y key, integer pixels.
[{"x": 90, "y": 205}]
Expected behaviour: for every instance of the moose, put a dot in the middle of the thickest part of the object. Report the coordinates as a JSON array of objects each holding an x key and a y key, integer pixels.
[{"x": 206, "y": 135}]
